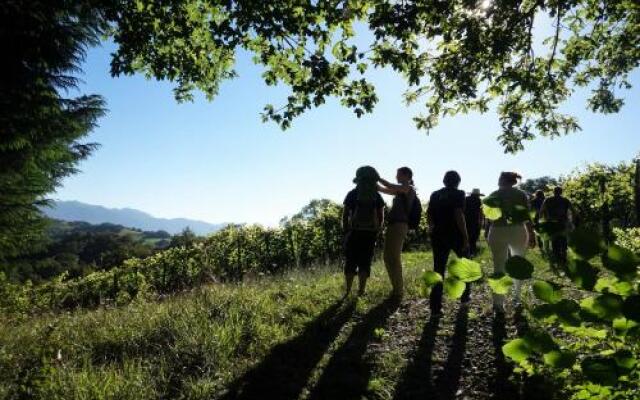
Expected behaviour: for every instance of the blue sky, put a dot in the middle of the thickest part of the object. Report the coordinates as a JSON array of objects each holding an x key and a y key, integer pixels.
[{"x": 216, "y": 161}]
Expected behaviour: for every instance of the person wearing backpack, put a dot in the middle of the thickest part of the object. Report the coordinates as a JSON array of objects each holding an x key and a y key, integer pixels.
[
  {"x": 362, "y": 219},
  {"x": 448, "y": 227},
  {"x": 404, "y": 208}
]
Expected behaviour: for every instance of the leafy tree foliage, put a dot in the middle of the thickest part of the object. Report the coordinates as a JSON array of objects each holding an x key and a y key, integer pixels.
[
  {"x": 185, "y": 238},
  {"x": 79, "y": 248},
  {"x": 456, "y": 56},
  {"x": 603, "y": 193},
  {"x": 310, "y": 238},
  {"x": 544, "y": 183},
  {"x": 43, "y": 43}
]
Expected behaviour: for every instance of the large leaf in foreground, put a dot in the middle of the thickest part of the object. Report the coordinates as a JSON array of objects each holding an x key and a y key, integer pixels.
[
  {"x": 500, "y": 284},
  {"x": 431, "y": 278},
  {"x": 454, "y": 288},
  {"x": 560, "y": 359},
  {"x": 607, "y": 306},
  {"x": 631, "y": 308},
  {"x": 547, "y": 291},
  {"x": 491, "y": 213},
  {"x": 540, "y": 341},
  {"x": 517, "y": 349},
  {"x": 600, "y": 370},
  {"x": 586, "y": 243},
  {"x": 621, "y": 261},
  {"x": 465, "y": 270},
  {"x": 582, "y": 273},
  {"x": 519, "y": 267}
]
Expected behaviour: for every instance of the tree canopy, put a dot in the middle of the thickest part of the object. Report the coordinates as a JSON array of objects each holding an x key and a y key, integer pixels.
[
  {"x": 42, "y": 126},
  {"x": 544, "y": 183},
  {"x": 457, "y": 56}
]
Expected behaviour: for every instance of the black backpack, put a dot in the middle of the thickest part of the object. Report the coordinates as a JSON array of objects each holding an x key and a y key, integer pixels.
[
  {"x": 365, "y": 216},
  {"x": 415, "y": 213}
]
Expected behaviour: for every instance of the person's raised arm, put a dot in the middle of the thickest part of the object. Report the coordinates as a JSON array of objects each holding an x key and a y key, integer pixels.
[{"x": 392, "y": 189}]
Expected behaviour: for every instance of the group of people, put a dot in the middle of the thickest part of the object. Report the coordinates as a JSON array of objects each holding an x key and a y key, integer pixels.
[{"x": 455, "y": 221}]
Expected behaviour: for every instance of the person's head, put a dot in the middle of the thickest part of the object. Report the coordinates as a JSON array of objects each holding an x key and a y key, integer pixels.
[
  {"x": 539, "y": 194},
  {"x": 557, "y": 191},
  {"x": 404, "y": 175},
  {"x": 366, "y": 174},
  {"x": 508, "y": 179},
  {"x": 366, "y": 181},
  {"x": 451, "y": 179}
]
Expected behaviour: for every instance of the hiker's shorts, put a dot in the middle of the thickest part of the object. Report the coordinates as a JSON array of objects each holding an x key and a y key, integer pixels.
[{"x": 359, "y": 247}]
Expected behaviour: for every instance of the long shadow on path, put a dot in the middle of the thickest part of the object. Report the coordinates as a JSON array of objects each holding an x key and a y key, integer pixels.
[
  {"x": 285, "y": 371},
  {"x": 416, "y": 381},
  {"x": 347, "y": 374},
  {"x": 501, "y": 386},
  {"x": 448, "y": 382}
]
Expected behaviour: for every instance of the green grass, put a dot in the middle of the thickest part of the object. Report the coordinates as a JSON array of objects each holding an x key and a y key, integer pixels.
[{"x": 226, "y": 341}]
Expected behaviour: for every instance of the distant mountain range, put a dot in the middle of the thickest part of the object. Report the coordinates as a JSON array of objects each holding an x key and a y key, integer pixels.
[{"x": 77, "y": 211}]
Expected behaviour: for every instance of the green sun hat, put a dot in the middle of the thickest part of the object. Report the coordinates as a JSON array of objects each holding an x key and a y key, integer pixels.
[{"x": 366, "y": 174}]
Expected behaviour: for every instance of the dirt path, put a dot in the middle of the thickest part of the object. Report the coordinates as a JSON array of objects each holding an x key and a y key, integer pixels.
[{"x": 391, "y": 351}]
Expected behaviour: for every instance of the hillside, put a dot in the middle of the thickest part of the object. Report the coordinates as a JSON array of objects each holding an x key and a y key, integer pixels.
[
  {"x": 78, "y": 211},
  {"x": 275, "y": 338}
]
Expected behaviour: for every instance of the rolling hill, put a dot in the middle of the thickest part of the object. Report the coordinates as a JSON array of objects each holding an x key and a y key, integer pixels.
[{"x": 129, "y": 217}]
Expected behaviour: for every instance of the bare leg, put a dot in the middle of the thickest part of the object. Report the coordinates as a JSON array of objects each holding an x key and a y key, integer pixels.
[
  {"x": 348, "y": 281},
  {"x": 362, "y": 283}
]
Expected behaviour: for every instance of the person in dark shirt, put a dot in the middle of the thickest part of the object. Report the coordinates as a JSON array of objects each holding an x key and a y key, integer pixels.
[
  {"x": 558, "y": 209},
  {"x": 536, "y": 206},
  {"x": 362, "y": 219},
  {"x": 445, "y": 216},
  {"x": 474, "y": 219}
]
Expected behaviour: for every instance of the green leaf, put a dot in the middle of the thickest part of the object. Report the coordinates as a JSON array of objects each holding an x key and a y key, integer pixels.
[
  {"x": 586, "y": 243},
  {"x": 500, "y": 284},
  {"x": 519, "y": 267},
  {"x": 607, "y": 306},
  {"x": 547, "y": 292},
  {"x": 431, "y": 278},
  {"x": 517, "y": 349},
  {"x": 582, "y": 273},
  {"x": 453, "y": 287},
  {"x": 560, "y": 359},
  {"x": 600, "y": 370},
  {"x": 492, "y": 202},
  {"x": 567, "y": 312},
  {"x": 465, "y": 270},
  {"x": 631, "y": 308},
  {"x": 540, "y": 341},
  {"x": 625, "y": 360},
  {"x": 491, "y": 213},
  {"x": 621, "y": 261},
  {"x": 622, "y": 325},
  {"x": 543, "y": 311}
]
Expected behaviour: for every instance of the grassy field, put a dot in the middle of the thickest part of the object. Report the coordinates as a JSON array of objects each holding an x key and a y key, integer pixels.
[{"x": 285, "y": 337}]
